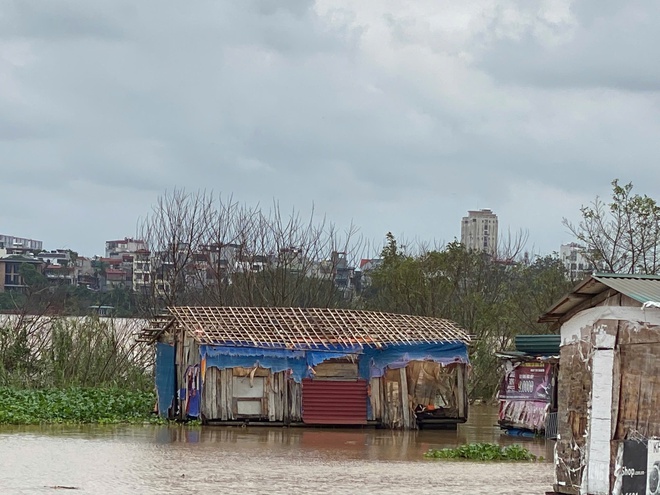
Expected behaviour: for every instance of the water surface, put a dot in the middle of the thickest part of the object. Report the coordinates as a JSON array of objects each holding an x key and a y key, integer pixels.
[{"x": 176, "y": 460}]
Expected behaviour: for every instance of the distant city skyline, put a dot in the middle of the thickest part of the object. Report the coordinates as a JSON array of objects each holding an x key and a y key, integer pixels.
[{"x": 393, "y": 117}]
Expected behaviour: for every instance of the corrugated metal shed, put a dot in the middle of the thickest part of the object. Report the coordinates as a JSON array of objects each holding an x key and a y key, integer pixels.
[
  {"x": 642, "y": 288},
  {"x": 538, "y": 345}
]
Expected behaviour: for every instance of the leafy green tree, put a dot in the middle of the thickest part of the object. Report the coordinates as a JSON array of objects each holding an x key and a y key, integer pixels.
[
  {"x": 622, "y": 236},
  {"x": 11, "y": 301},
  {"x": 32, "y": 277},
  {"x": 493, "y": 300}
]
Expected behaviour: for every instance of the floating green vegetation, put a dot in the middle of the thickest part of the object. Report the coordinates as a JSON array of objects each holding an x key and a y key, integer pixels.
[
  {"x": 76, "y": 405},
  {"x": 484, "y": 452}
]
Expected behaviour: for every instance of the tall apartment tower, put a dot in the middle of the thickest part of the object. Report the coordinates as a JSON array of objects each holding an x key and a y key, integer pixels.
[{"x": 479, "y": 231}]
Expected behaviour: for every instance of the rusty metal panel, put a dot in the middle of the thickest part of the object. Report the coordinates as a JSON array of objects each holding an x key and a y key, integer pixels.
[{"x": 329, "y": 402}]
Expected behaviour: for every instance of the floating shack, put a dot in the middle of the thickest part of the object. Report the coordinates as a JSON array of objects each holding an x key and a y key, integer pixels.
[
  {"x": 310, "y": 366},
  {"x": 609, "y": 386},
  {"x": 528, "y": 392}
]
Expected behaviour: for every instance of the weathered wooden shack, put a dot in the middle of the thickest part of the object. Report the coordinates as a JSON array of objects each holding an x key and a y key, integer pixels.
[
  {"x": 528, "y": 390},
  {"x": 608, "y": 386},
  {"x": 310, "y": 366}
]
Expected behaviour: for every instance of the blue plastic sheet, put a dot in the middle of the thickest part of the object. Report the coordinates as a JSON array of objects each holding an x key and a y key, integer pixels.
[
  {"x": 374, "y": 362},
  {"x": 165, "y": 373},
  {"x": 371, "y": 362},
  {"x": 298, "y": 361},
  {"x": 190, "y": 393}
]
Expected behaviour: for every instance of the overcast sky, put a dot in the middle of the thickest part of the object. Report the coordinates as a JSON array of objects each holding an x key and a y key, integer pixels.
[{"x": 394, "y": 115}]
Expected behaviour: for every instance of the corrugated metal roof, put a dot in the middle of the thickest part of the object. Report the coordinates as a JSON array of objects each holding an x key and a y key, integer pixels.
[
  {"x": 538, "y": 345},
  {"x": 642, "y": 288}
]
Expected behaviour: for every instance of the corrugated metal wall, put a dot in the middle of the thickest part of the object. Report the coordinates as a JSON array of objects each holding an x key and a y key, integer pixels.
[{"x": 327, "y": 402}]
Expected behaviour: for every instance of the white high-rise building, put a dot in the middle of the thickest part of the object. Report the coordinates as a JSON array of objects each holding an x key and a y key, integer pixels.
[
  {"x": 479, "y": 231},
  {"x": 576, "y": 264}
]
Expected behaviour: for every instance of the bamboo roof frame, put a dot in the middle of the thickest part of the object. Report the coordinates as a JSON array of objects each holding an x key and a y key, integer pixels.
[{"x": 311, "y": 328}]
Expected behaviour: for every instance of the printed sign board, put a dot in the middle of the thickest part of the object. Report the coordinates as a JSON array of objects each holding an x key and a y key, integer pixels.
[
  {"x": 640, "y": 468},
  {"x": 653, "y": 468},
  {"x": 633, "y": 469},
  {"x": 528, "y": 381}
]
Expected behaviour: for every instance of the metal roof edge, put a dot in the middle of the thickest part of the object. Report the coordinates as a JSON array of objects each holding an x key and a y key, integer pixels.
[
  {"x": 641, "y": 276},
  {"x": 550, "y": 316},
  {"x": 624, "y": 283}
]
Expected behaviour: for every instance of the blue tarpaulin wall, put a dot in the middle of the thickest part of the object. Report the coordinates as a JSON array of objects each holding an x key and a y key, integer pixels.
[
  {"x": 165, "y": 377},
  {"x": 371, "y": 362},
  {"x": 374, "y": 362}
]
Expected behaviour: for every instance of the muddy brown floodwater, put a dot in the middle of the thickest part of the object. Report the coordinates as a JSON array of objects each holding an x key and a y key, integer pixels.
[{"x": 173, "y": 460}]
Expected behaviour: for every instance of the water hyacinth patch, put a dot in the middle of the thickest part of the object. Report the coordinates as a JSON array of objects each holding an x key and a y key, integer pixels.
[
  {"x": 484, "y": 452},
  {"x": 75, "y": 405}
]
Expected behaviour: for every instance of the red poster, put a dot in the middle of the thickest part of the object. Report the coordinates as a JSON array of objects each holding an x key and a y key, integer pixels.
[{"x": 528, "y": 381}]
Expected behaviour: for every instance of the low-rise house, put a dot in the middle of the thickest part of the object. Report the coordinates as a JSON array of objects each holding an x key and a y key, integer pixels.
[
  {"x": 10, "y": 271},
  {"x": 55, "y": 257},
  {"x": 86, "y": 274},
  {"x": 115, "y": 278},
  {"x": 60, "y": 274},
  {"x": 127, "y": 245},
  {"x": 367, "y": 267},
  {"x": 609, "y": 386},
  {"x": 310, "y": 366}
]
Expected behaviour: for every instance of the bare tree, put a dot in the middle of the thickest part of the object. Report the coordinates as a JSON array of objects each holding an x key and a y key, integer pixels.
[
  {"x": 512, "y": 246},
  {"x": 174, "y": 231},
  {"x": 210, "y": 250},
  {"x": 288, "y": 260}
]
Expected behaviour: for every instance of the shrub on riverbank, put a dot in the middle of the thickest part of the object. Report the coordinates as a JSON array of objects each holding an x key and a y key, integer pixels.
[
  {"x": 60, "y": 352},
  {"x": 75, "y": 405},
  {"x": 483, "y": 452}
]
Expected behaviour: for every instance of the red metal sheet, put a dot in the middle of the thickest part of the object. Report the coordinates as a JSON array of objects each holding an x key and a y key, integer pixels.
[{"x": 328, "y": 402}]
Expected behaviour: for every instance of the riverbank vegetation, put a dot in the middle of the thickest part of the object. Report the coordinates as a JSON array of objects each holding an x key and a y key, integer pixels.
[
  {"x": 74, "y": 370},
  {"x": 59, "y": 352},
  {"x": 76, "y": 405},
  {"x": 484, "y": 452}
]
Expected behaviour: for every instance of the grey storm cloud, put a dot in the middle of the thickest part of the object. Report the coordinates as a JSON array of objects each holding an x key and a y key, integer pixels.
[
  {"x": 396, "y": 116},
  {"x": 610, "y": 44}
]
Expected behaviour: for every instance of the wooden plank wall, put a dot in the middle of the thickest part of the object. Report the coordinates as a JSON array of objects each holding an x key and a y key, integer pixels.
[
  {"x": 278, "y": 391},
  {"x": 294, "y": 402},
  {"x": 574, "y": 396},
  {"x": 638, "y": 384},
  {"x": 336, "y": 371},
  {"x": 395, "y": 395},
  {"x": 461, "y": 391},
  {"x": 392, "y": 407},
  {"x": 433, "y": 383},
  {"x": 217, "y": 394},
  {"x": 376, "y": 399},
  {"x": 281, "y": 395}
]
